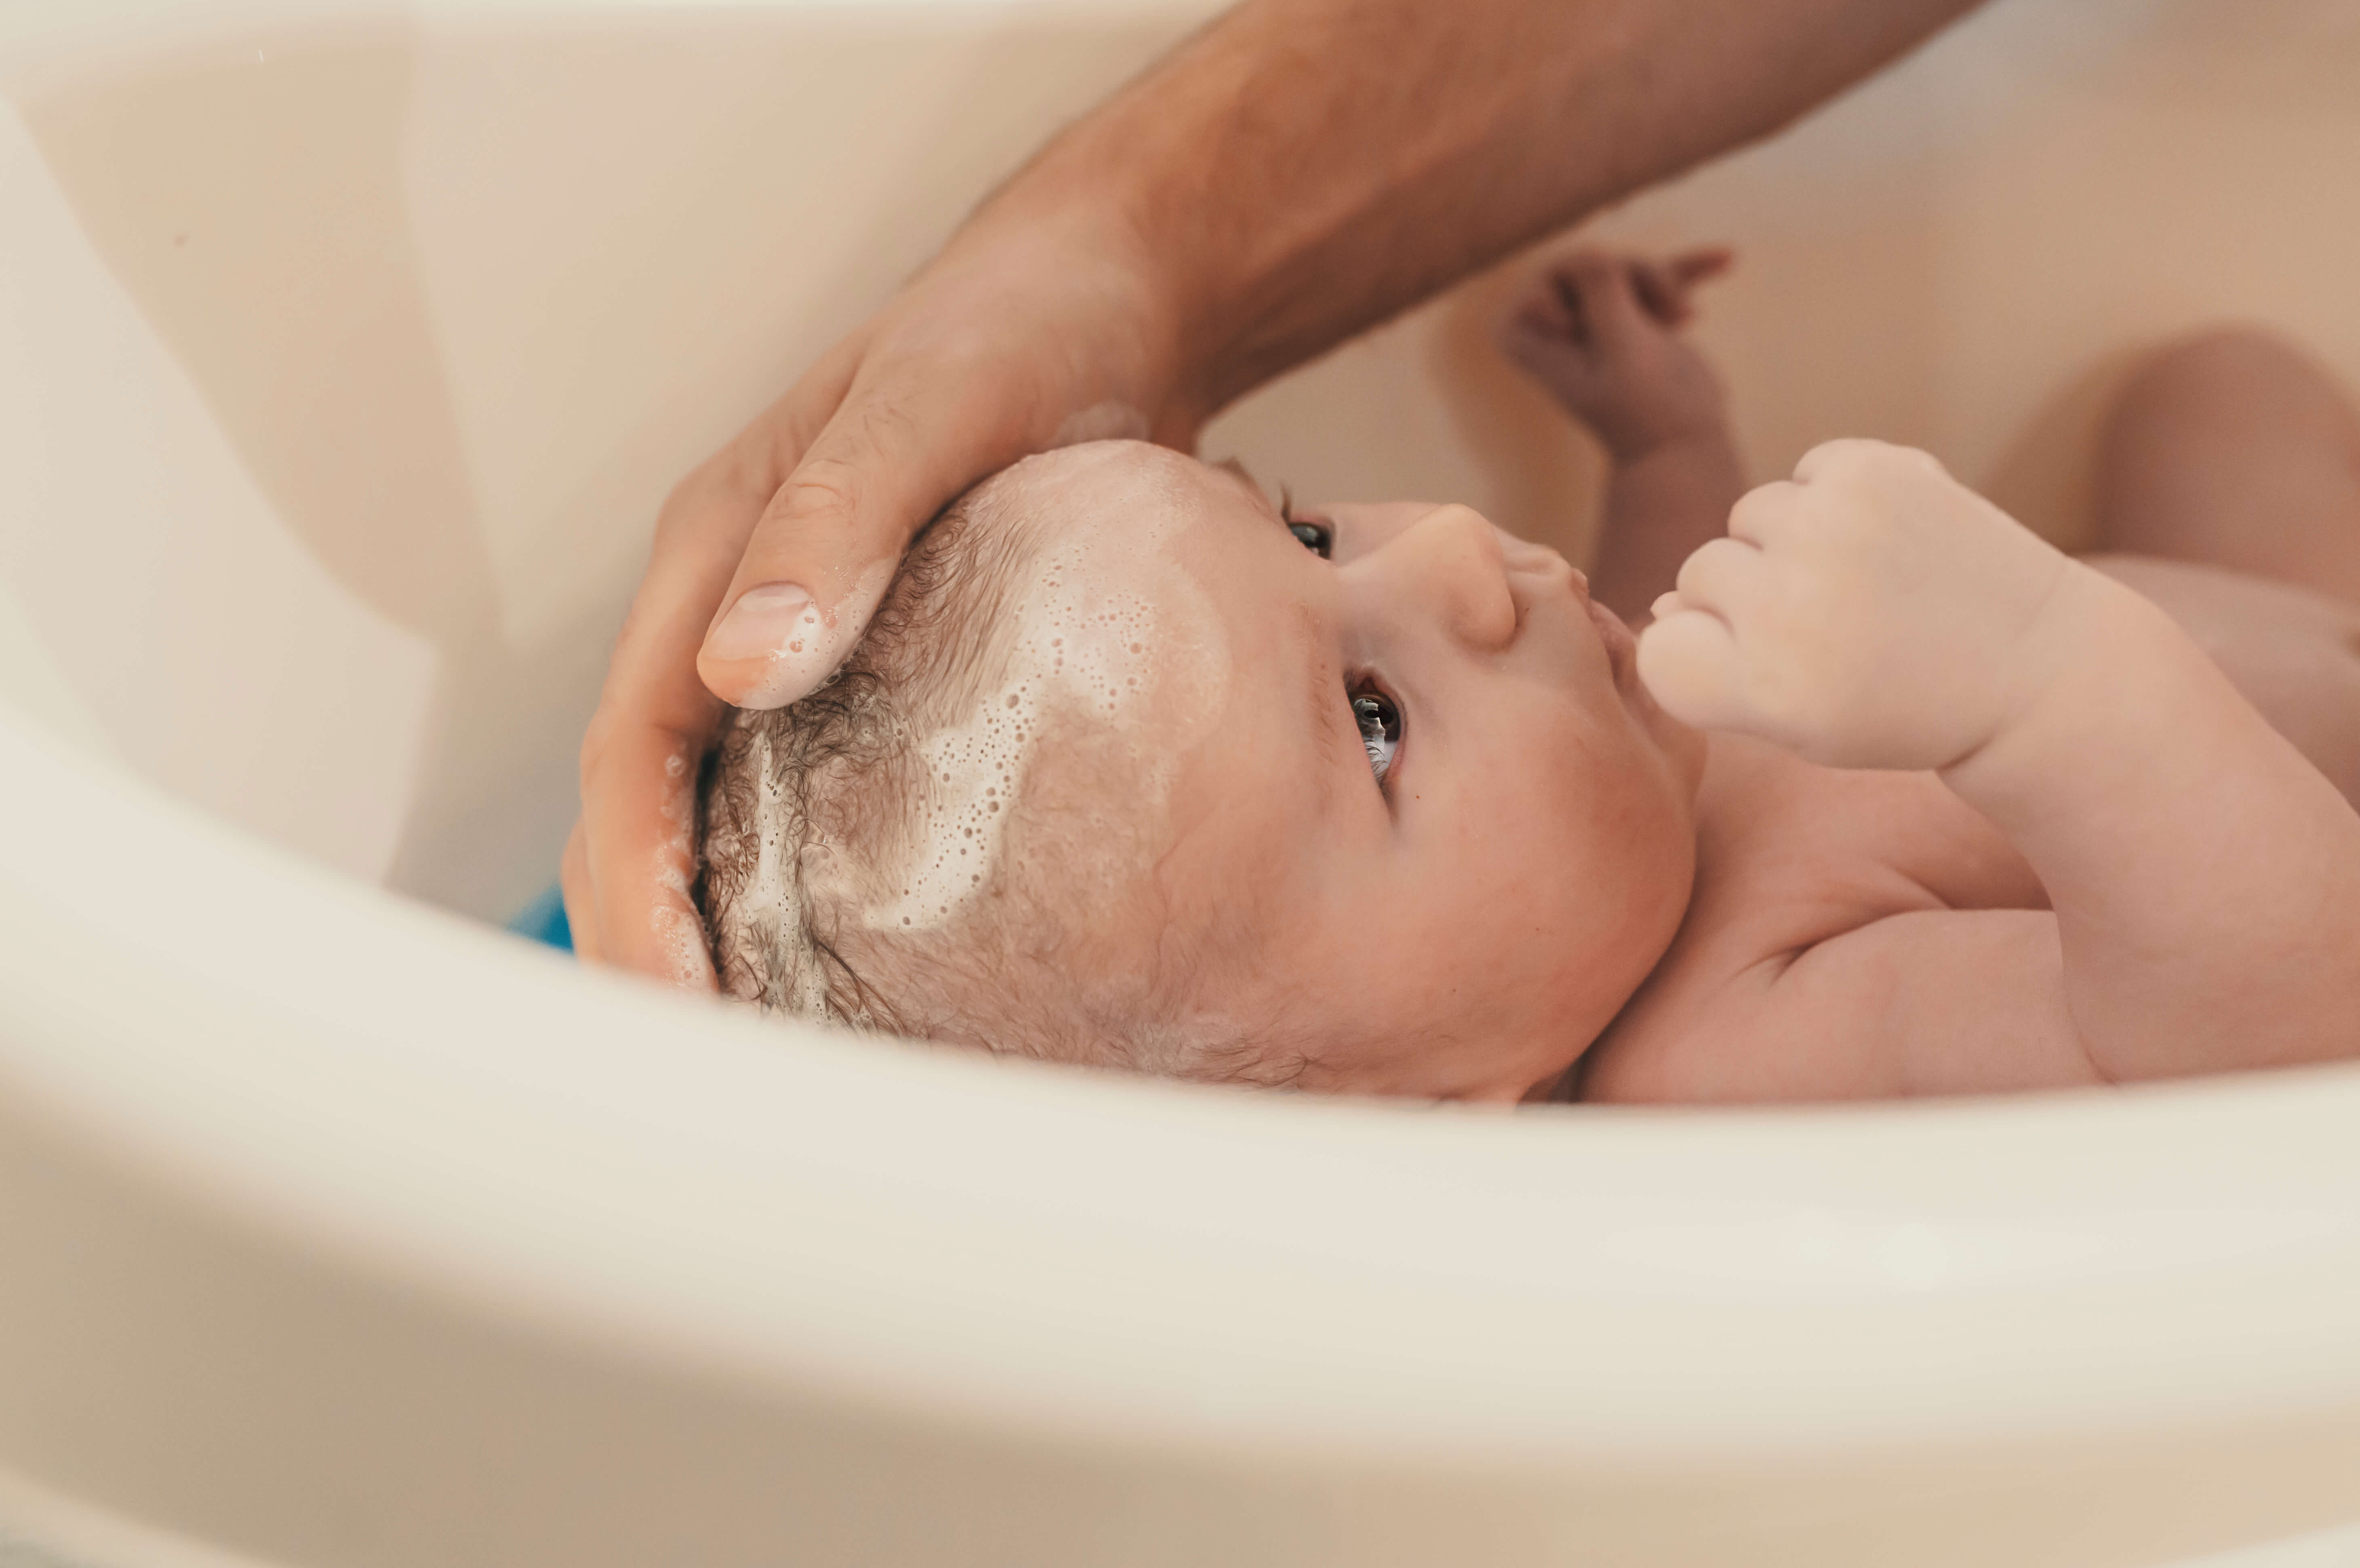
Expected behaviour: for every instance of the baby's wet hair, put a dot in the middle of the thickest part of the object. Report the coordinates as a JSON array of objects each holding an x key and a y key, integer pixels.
[
  {"x": 803, "y": 808},
  {"x": 830, "y": 775}
]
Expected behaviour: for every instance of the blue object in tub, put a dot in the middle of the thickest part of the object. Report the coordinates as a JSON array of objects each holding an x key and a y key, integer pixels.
[{"x": 543, "y": 920}]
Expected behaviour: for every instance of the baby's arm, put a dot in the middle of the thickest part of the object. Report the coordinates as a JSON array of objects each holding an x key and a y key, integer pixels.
[
  {"x": 1601, "y": 333},
  {"x": 2204, "y": 878}
]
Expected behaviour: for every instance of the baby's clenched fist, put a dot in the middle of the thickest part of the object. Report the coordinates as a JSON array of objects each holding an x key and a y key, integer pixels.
[{"x": 1872, "y": 613}]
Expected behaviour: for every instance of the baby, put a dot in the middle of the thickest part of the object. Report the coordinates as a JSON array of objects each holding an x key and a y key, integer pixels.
[{"x": 1887, "y": 797}]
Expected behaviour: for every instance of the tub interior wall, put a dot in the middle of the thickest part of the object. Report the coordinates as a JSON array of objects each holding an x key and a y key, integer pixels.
[{"x": 346, "y": 363}]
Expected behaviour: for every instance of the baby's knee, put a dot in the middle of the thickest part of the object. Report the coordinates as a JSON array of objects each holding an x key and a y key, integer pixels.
[{"x": 2234, "y": 368}]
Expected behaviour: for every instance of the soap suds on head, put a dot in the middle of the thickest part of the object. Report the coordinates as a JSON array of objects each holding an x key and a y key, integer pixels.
[
  {"x": 1112, "y": 634},
  {"x": 786, "y": 969},
  {"x": 678, "y": 930},
  {"x": 956, "y": 835}
]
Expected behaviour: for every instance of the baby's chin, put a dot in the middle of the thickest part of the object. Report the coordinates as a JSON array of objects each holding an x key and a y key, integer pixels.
[{"x": 1680, "y": 746}]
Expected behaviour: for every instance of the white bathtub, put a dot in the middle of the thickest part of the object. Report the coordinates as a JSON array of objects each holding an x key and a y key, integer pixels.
[{"x": 345, "y": 354}]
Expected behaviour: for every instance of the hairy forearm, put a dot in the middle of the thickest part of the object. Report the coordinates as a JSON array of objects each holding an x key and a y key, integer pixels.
[
  {"x": 1302, "y": 169},
  {"x": 1660, "y": 506},
  {"x": 2206, "y": 877}
]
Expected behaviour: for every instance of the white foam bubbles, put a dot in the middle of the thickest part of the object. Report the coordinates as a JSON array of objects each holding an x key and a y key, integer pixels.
[{"x": 1084, "y": 650}]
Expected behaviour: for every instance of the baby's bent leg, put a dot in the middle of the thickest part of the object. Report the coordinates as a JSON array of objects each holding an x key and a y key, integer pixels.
[{"x": 2234, "y": 448}]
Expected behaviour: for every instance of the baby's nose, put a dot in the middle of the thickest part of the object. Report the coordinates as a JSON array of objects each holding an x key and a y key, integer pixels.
[
  {"x": 1450, "y": 567},
  {"x": 1539, "y": 560}
]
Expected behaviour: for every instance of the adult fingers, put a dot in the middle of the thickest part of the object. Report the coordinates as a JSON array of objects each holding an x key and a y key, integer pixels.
[
  {"x": 655, "y": 718},
  {"x": 639, "y": 855},
  {"x": 581, "y": 901},
  {"x": 628, "y": 898},
  {"x": 828, "y": 544},
  {"x": 638, "y": 815}
]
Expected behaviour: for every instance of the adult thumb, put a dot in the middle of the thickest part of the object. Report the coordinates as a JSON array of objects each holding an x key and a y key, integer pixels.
[{"x": 826, "y": 550}]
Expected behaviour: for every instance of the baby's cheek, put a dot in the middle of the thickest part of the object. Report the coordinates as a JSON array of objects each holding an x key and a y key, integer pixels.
[{"x": 1628, "y": 864}]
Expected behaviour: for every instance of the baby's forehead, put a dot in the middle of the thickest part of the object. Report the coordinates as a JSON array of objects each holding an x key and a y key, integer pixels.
[{"x": 1101, "y": 482}]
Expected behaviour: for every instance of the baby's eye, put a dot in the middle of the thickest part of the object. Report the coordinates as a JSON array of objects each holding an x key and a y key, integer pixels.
[
  {"x": 1380, "y": 730},
  {"x": 1312, "y": 535}
]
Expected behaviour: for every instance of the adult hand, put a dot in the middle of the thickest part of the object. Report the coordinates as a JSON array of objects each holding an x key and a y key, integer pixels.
[
  {"x": 769, "y": 559},
  {"x": 1251, "y": 199}
]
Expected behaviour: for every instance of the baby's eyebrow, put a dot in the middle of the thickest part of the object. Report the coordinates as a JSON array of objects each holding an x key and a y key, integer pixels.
[
  {"x": 1236, "y": 469},
  {"x": 1323, "y": 685}
]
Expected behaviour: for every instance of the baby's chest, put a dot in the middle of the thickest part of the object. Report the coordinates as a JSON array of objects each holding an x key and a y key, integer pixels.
[{"x": 1791, "y": 855}]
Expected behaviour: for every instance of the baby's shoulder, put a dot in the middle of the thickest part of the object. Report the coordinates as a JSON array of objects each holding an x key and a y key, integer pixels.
[
  {"x": 1789, "y": 853},
  {"x": 1791, "y": 856}
]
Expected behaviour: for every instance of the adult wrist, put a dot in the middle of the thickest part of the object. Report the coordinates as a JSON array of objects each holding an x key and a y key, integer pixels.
[
  {"x": 1077, "y": 211},
  {"x": 1079, "y": 267}
]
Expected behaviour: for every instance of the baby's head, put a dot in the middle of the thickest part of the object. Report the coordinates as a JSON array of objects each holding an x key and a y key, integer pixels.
[{"x": 1127, "y": 771}]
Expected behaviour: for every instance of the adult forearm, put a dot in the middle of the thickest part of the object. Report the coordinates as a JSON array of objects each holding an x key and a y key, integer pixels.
[{"x": 1302, "y": 169}]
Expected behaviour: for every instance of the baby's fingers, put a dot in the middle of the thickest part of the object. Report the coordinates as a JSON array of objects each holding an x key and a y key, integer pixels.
[
  {"x": 1549, "y": 345},
  {"x": 1603, "y": 290},
  {"x": 1541, "y": 326},
  {"x": 1688, "y": 661},
  {"x": 1664, "y": 287},
  {"x": 1723, "y": 577},
  {"x": 1690, "y": 268}
]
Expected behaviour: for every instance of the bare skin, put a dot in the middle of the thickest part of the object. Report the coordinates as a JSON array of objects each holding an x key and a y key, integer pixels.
[
  {"x": 1296, "y": 172},
  {"x": 1456, "y": 924},
  {"x": 1889, "y": 797},
  {"x": 2063, "y": 846}
]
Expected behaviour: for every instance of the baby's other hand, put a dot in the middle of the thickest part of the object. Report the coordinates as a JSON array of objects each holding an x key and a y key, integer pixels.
[
  {"x": 1872, "y": 613},
  {"x": 1601, "y": 333}
]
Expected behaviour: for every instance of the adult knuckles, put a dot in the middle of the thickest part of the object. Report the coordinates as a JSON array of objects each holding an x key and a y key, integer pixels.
[
  {"x": 605, "y": 741},
  {"x": 695, "y": 499},
  {"x": 619, "y": 738},
  {"x": 825, "y": 493},
  {"x": 969, "y": 350}
]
